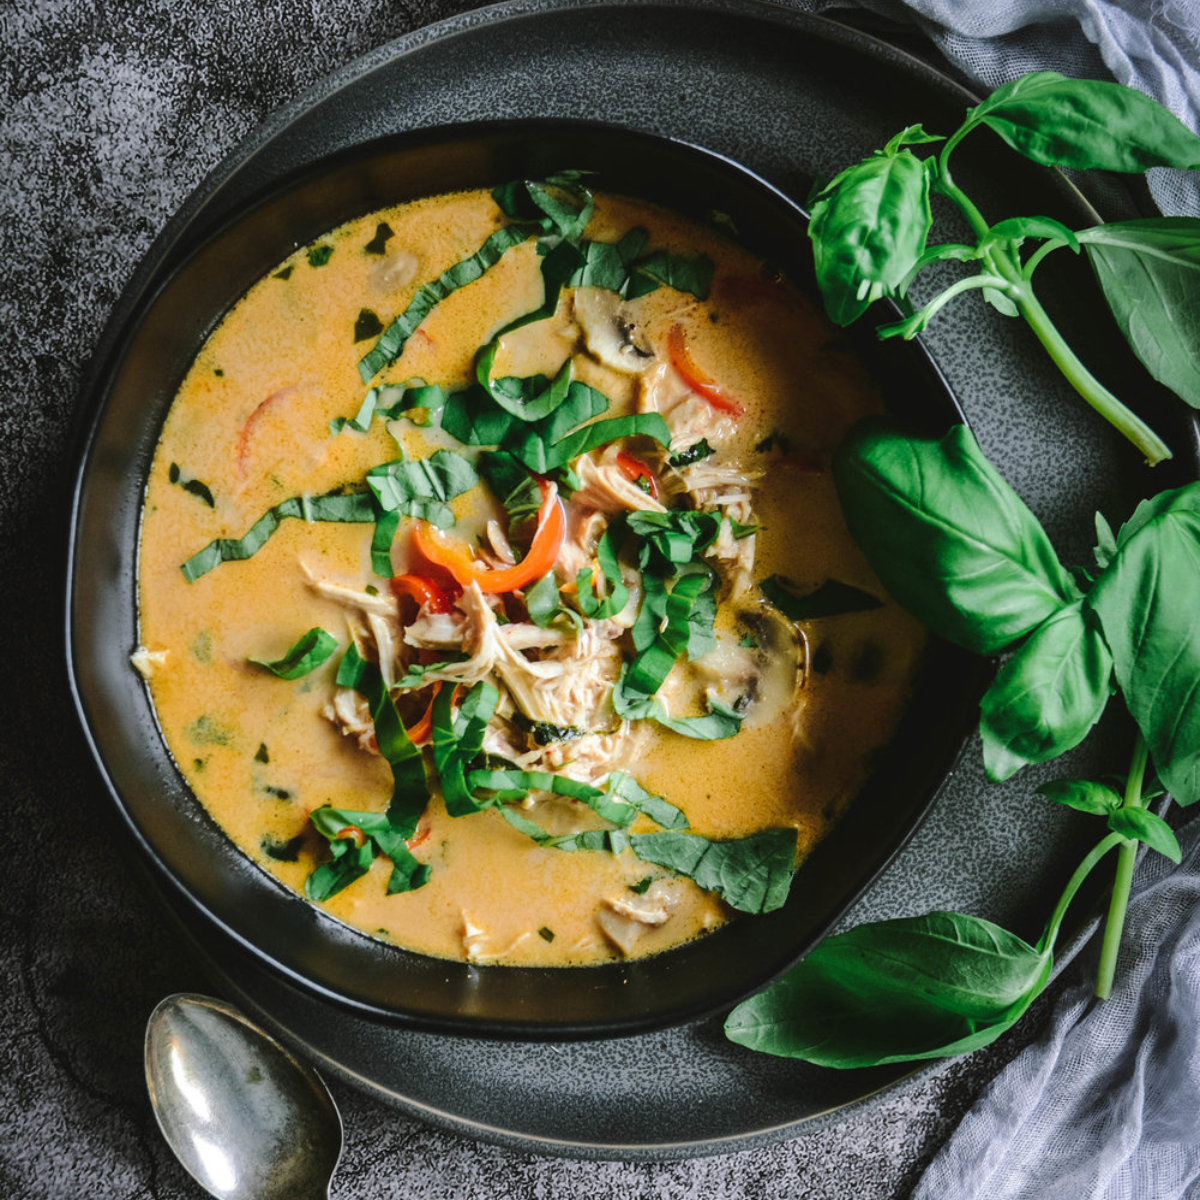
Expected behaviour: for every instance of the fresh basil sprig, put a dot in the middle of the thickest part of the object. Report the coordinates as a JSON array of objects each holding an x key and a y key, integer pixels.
[{"x": 870, "y": 228}]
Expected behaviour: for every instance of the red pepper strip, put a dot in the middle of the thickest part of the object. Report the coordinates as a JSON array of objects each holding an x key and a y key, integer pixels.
[
  {"x": 354, "y": 833},
  {"x": 633, "y": 468},
  {"x": 422, "y": 835},
  {"x": 419, "y": 733},
  {"x": 700, "y": 383},
  {"x": 456, "y": 557},
  {"x": 423, "y": 590}
]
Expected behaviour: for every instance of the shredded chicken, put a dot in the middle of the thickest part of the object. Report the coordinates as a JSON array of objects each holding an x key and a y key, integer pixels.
[
  {"x": 351, "y": 713},
  {"x": 348, "y": 597},
  {"x": 607, "y": 488},
  {"x": 723, "y": 487},
  {"x": 585, "y": 527},
  {"x": 521, "y": 635},
  {"x": 479, "y": 642},
  {"x": 475, "y": 938},
  {"x": 436, "y": 630},
  {"x": 385, "y": 633},
  {"x": 148, "y": 661},
  {"x": 689, "y": 417}
]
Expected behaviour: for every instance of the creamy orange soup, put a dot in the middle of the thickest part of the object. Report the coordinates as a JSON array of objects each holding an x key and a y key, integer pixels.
[{"x": 753, "y": 396}]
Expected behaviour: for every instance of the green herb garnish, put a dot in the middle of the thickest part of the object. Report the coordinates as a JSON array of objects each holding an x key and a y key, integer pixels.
[
  {"x": 367, "y": 325},
  {"x": 353, "y": 507},
  {"x": 200, "y": 490},
  {"x": 318, "y": 256},
  {"x": 871, "y": 223},
  {"x": 307, "y": 653},
  {"x": 378, "y": 243}
]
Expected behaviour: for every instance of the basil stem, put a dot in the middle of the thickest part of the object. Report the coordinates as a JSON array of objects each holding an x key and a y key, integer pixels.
[{"x": 1115, "y": 922}]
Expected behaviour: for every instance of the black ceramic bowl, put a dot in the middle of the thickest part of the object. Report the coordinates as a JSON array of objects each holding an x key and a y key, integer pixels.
[{"x": 172, "y": 311}]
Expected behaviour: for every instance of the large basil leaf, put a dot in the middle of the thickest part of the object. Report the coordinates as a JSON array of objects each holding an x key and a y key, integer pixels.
[
  {"x": 1085, "y": 123},
  {"x": 752, "y": 874},
  {"x": 1146, "y": 602},
  {"x": 457, "y": 742},
  {"x": 948, "y": 538},
  {"x": 1150, "y": 274},
  {"x": 893, "y": 991},
  {"x": 868, "y": 230},
  {"x": 1048, "y": 695}
]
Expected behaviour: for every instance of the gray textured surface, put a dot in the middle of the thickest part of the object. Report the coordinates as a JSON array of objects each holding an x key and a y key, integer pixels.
[{"x": 107, "y": 120}]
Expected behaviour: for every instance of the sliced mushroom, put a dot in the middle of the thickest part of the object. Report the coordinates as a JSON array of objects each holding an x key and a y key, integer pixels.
[{"x": 610, "y": 331}]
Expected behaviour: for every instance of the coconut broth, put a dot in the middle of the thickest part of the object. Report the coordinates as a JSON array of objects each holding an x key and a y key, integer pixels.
[{"x": 251, "y": 422}]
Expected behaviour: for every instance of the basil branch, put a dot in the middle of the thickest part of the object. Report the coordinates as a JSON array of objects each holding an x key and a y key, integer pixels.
[{"x": 870, "y": 227}]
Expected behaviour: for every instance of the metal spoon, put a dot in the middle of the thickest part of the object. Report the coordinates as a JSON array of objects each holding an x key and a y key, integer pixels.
[{"x": 243, "y": 1114}]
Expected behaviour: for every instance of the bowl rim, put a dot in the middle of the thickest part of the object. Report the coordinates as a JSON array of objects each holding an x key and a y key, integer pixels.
[{"x": 162, "y": 264}]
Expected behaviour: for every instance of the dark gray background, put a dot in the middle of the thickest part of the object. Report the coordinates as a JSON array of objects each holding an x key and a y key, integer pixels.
[{"x": 109, "y": 117}]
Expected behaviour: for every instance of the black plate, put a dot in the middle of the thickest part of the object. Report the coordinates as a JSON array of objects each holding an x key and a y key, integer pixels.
[
  {"x": 177, "y": 308},
  {"x": 791, "y": 97}
]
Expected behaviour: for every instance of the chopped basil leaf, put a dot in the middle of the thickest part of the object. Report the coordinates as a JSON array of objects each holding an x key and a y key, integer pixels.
[
  {"x": 422, "y": 487},
  {"x": 546, "y": 933},
  {"x": 318, "y": 256},
  {"x": 367, "y": 325},
  {"x": 307, "y": 653},
  {"x": 669, "y": 540},
  {"x": 285, "y": 274},
  {"x": 288, "y": 851},
  {"x": 410, "y": 790},
  {"x": 543, "y": 733},
  {"x": 601, "y": 600},
  {"x": 741, "y": 531},
  {"x": 829, "y": 600},
  {"x": 752, "y": 874},
  {"x": 528, "y": 398},
  {"x": 660, "y": 811},
  {"x": 381, "y": 544},
  {"x": 747, "y": 642},
  {"x": 218, "y": 373},
  {"x": 694, "y": 453},
  {"x": 276, "y": 793},
  {"x": 642, "y": 886},
  {"x": 390, "y": 401},
  {"x": 350, "y": 507},
  {"x": 545, "y": 604},
  {"x": 456, "y": 742},
  {"x": 378, "y": 244},
  {"x": 350, "y": 862},
  {"x": 371, "y": 590},
  {"x": 194, "y": 486},
  {"x": 391, "y": 343},
  {"x": 261, "y": 755}
]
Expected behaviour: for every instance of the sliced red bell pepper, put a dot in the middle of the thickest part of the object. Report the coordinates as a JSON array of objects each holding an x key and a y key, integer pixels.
[
  {"x": 634, "y": 468},
  {"x": 700, "y": 383},
  {"x": 425, "y": 591},
  {"x": 456, "y": 557}
]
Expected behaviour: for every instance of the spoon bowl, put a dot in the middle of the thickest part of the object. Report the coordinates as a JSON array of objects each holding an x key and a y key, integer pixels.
[{"x": 246, "y": 1118}]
